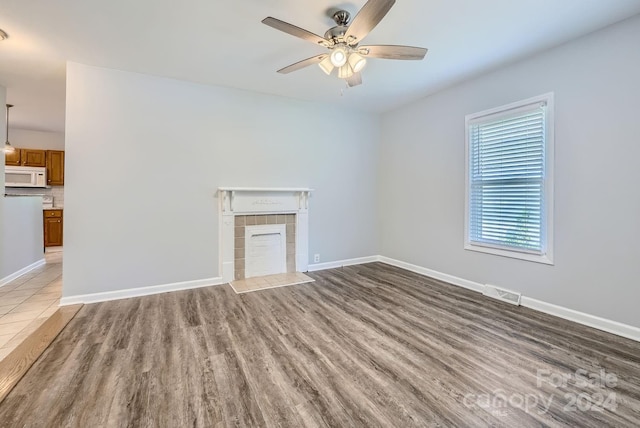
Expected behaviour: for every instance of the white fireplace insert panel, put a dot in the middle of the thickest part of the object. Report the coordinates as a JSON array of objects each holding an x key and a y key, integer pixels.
[{"x": 265, "y": 250}]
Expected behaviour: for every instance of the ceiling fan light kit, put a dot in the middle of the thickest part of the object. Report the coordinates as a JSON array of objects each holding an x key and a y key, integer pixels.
[{"x": 343, "y": 42}]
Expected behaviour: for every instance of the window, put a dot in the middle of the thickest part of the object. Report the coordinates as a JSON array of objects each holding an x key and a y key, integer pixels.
[{"x": 509, "y": 186}]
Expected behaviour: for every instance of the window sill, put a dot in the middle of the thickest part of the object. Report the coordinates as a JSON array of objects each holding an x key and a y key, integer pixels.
[{"x": 536, "y": 258}]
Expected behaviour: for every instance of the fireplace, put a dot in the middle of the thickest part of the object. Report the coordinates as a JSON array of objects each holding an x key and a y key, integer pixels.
[
  {"x": 264, "y": 245},
  {"x": 263, "y": 231}
]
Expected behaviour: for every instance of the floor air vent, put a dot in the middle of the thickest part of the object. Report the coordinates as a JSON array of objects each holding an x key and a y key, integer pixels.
[{"x": 502, "y": 294}]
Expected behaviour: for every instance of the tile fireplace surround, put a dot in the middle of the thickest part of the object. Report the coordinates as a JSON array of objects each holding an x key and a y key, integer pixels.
[
  {"x": 237, "y": 204},
  {"x": 288, "y": 221}
]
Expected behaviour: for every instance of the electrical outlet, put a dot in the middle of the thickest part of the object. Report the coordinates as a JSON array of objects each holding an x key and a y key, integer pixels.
[{"x": 316, "y": 258}]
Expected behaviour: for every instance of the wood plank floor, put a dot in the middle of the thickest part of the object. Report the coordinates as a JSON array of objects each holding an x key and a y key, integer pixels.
[
  {"x": 20, "y": 360},
  {"x": 369, "y": 346}
]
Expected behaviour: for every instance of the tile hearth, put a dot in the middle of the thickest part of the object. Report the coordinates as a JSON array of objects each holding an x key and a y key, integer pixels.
[{"x": 269, "y": 281}]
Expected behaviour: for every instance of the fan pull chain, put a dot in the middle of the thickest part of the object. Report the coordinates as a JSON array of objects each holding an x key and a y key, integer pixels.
[{"x": 346, "y": 86}]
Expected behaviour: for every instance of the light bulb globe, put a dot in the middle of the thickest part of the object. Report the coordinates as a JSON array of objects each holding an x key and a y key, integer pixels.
[
  {"x": 345, "y": 71},
  {"x": 357, "y": 62},
  {"x": 338, "y": 57},
  {"x": 326, "y": 65}
]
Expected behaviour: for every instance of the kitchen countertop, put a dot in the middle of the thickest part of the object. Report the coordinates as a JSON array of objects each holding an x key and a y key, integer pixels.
[{"x": 22, "y": 195}]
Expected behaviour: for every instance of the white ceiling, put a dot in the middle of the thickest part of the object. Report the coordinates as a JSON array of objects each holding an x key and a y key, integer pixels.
[{"x": 224, "y": 43}]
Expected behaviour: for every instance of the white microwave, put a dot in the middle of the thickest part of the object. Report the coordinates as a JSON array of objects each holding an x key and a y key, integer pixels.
[{"x": 25, "y": 176}]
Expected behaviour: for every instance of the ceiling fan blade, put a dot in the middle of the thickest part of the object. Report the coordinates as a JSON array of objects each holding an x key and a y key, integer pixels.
[
  {"x": 295, "y": 31},
  {"x": 392, "y": 52},
  {"x": 302, "y": 64},
  {"x": 354, "y": 80},
  {"x": 367, "y": 18}
]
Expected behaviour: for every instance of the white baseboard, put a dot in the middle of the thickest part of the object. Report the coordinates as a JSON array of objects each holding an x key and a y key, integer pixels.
[
  {"x": 589, "y": 320},
  {"x": 474, "y": 286},
  {"x": 138, "y": 292},
  {"x": 341, "y": 263},
  {"x": 624, "y": 330},
  {"x": 18, "y": 274},
  {"x": 186, "y": 285}
]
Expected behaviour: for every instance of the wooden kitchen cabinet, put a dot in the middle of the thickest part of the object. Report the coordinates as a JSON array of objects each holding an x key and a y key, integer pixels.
[
  {"x": 26, "y": 157},
  {"x": 53, "y": 228},
  {"x": 33, "y": 157},
  {"x": 55, "y": 167},
  {"x": 13, "y": 158}
]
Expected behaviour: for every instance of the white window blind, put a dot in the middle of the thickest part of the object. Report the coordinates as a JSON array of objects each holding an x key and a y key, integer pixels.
[{"x": 506, "y": 188}]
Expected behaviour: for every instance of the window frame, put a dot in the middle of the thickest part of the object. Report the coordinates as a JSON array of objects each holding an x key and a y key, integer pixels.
[{"x": 546, "y": 223}]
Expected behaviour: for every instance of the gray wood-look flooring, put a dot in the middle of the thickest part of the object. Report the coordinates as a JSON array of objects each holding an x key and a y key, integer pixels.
[{"x": 369, "y": 345}]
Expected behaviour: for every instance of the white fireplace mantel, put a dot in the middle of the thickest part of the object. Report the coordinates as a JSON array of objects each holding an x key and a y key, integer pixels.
[
  {"x": 259, "y": 201},
  {"x": 263, "y": 200}
]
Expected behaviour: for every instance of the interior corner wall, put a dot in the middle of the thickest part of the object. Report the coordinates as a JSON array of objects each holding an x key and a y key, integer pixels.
[
  {"x": 145, "y": 156},
  {"x": 3, "y": 130},
  {"x": 597, "y": 202}
]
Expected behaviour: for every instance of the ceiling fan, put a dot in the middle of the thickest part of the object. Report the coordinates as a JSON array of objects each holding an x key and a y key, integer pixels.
[{"x": 343, "y": 41}]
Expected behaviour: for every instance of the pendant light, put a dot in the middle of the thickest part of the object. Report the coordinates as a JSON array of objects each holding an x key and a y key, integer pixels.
[{"x": 8, "y": 148}]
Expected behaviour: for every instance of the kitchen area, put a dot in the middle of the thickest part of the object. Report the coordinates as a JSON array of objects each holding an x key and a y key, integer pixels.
[
  {"x": 32, "y": 207},
  {"x": 31, "y": 235},
  {"x": 39, "y": 173}
]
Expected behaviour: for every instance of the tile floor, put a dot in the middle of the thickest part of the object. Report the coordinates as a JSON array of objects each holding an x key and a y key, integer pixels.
[
  {"x": 269, "y": 281},
  {"x": 26, "y": 302}
]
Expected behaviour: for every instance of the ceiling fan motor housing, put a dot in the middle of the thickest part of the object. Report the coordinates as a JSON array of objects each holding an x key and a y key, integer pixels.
[{"x": 342, "y": 18}]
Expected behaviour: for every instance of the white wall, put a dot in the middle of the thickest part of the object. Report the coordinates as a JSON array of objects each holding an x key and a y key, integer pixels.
[
  {"x": 22, "y": 235},
  {"x": 596, "y": 80},
  {"x": 145, "y": 155},
  {"x": 27, "y": 138},
  {"x": 3, "y": 130}
]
